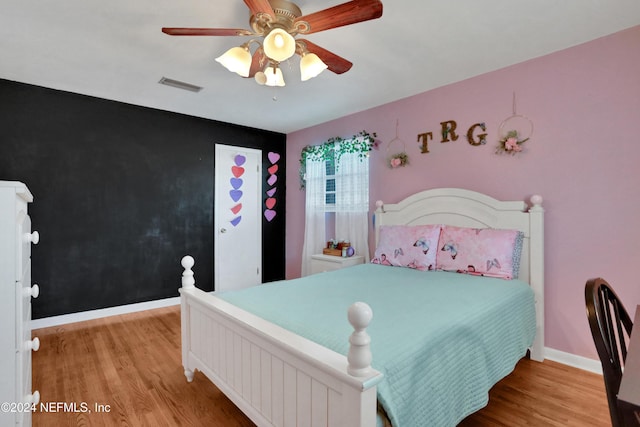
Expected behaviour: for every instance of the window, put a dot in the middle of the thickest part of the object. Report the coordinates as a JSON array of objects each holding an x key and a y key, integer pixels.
[
  {"x": 336, "y": 178},
  {"x": 330, "y": 185}
]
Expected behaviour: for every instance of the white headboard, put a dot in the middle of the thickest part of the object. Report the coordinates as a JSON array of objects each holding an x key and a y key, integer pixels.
[{"x": 465, "y": 208}]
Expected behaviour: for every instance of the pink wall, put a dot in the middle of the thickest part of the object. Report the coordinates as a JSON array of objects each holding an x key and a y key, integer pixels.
[{"x": 583, "y": 158}]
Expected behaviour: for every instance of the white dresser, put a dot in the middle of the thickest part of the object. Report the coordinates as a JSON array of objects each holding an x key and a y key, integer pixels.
[{"x": 16, "y": 292}]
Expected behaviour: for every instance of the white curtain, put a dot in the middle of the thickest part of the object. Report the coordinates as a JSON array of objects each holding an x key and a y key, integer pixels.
[
  {"x": 314, "y": 231},
  {"x": 352, "y": 201}
]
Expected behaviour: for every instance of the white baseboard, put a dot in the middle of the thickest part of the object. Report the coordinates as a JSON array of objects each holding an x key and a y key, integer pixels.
[
  {"x": 573, "y": 360},
  {"x": 104, "y": 312}
]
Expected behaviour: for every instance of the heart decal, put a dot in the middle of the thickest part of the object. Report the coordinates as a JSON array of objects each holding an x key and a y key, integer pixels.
[
  {"x": 273, "y": 157},
  {"x": 271, "y": 192},
  {"x": 236, "y": 183},
  {"x": 273, "y": 169},
  {"x": 235, "y": 221},
  {"x": 239, "y": 159},
  {"x": 270, "y": 202},
  {"x": 237, "y": 171},
  {"x": 236, "y": 208},
  {"x": 269, "y": 214},
  {"x": 235, "y": 195},
  {"x": 272, "y": 180}
]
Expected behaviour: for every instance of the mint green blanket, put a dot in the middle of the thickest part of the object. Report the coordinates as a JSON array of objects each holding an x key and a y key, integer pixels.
[{"x": 441, "y": 339}]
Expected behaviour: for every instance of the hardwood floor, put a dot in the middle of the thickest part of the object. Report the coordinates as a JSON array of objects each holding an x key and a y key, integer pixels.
[{"x": 126, "y": 371}]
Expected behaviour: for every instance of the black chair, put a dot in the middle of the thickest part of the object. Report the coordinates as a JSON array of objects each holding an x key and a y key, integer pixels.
[{"x": 611, "y": 327}]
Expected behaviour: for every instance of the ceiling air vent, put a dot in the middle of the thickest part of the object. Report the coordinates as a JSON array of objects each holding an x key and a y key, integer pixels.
[{"x": 180, "y": 85}]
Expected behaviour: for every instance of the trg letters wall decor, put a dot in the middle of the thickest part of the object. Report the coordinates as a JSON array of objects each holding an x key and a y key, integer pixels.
[{"x": 449, "y": 133}]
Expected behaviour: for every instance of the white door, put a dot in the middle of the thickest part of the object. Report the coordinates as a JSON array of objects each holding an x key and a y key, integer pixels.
[{"x": 237, "y": 217}]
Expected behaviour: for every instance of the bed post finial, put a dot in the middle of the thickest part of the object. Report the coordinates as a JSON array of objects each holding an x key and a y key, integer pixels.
[
  {"x": 359, "y": 357},
  {"x": 379, "y": 206},
  {"x": 187, "y": 276},
  {"x": 536, "y": 201}
]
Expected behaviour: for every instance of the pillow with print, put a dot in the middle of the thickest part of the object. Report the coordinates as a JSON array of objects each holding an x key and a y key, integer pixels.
[
  {"x": 480, "y": 251},
  {"x": 412, "y": 246}
]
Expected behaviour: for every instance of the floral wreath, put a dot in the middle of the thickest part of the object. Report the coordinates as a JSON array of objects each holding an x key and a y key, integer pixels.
[
  {"x": 397, "y": 160},
  {"x": 512, "y": 139},
  {"x": 400, "y": 158},
  {"x": 511, "y": 143}
]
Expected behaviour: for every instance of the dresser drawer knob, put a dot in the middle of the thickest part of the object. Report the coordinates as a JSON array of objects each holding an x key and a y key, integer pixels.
[
  {"x": 34, "y": 397},
  {"x": 32, "y": 237},
  {"x": 33, "y": 291},
  {"x": 34, "y": 344}
]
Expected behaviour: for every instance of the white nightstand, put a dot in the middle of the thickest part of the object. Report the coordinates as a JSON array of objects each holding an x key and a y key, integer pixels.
[{"x": 321, "y": 263}]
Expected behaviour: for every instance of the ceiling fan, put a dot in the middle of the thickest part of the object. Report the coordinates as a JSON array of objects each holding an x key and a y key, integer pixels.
[{"x": 278, "y": 22}]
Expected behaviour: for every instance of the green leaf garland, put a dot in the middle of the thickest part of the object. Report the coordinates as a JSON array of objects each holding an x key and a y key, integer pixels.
[{"x": 334, "y": 148}]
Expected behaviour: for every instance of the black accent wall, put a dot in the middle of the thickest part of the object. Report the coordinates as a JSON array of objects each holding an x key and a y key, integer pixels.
[{"x": 121, "y": 194}]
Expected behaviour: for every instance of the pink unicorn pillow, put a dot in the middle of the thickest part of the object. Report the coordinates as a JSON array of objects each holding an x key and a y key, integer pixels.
[
  {"x": 481, "y": 251},
  {"x": 412, "y": 246}
]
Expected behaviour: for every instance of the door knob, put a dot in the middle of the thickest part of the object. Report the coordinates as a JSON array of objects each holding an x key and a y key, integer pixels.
[{"x": 33, "y": 397}]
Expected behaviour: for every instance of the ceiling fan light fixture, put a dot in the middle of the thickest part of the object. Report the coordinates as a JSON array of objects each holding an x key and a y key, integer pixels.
[
  {"x": 279, "y": 45},
  {"x": 275, "y": 24},
  {"x": 310, "y": 66},
  {"x": 274, "y": 76},
  {"x": 237, "y": 60}
]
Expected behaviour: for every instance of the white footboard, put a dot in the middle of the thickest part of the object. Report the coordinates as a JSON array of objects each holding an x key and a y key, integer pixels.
[{"x": 273, "y": 375}]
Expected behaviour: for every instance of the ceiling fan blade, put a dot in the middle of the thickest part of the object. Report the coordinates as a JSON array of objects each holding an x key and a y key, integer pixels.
[
  {"x": 338, "y": 16},
  {"x": 335, "y": 63},
  {"x": 260, "y": 6},
  {"x": 206, "y": 31},
  {"x": 257, "y": 62}
]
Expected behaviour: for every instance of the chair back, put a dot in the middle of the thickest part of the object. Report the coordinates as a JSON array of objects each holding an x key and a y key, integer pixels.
[{"x": 610, "y": 327}]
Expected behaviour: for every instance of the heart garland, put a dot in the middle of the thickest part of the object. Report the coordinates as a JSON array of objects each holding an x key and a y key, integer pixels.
[
  {"x": 236, "y": 183},
  {"x": 270, "y": 202}
]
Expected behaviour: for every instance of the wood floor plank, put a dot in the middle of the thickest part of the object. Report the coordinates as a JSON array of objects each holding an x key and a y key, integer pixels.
[{"x": 131, "y": 365}]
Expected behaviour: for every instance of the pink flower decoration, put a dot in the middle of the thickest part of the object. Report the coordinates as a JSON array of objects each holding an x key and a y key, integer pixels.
[
  {"x": 511, "y": 144},
  {"x": 395, "y": 162}
]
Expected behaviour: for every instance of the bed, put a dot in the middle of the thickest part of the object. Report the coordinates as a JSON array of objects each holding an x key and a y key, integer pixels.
[{"x": 282, "y": 371}]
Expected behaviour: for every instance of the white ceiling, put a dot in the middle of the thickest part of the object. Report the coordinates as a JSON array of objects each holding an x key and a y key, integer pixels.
[{"x": 116, "y": 50}]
